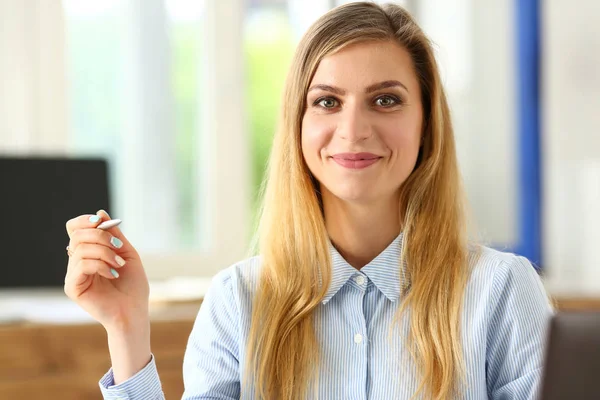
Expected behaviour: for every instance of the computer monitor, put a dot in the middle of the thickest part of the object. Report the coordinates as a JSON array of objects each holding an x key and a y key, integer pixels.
[
  {"x": 38, "y": 195},
  {"x": 572, "y": 368}
]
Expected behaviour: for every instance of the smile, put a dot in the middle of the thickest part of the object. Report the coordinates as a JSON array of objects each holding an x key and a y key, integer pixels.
[{"x": 356, "y": 160}]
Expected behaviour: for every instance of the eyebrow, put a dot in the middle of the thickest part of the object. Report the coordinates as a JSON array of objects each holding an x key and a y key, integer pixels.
[{"x": 370, "y": 89}]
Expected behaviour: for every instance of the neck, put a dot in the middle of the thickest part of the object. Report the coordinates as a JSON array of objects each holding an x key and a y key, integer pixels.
[{"x": 360, "y": 232}]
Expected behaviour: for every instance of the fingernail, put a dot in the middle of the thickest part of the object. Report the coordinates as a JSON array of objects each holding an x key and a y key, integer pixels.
[
  {"x": 116, "y": 242},
  {"x": 120, "y": 260},
  {"x": 104, "y": 213},
  {"x": 114, "y": 272},
  {"x": 94, "y": 219}
]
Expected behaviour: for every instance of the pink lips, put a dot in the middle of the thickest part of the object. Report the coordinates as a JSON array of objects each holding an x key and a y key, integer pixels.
[{"x": 356, "y": 160}]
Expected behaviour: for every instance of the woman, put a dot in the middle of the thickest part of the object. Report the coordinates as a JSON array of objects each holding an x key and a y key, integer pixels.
[{"x": 365, "y": 286}]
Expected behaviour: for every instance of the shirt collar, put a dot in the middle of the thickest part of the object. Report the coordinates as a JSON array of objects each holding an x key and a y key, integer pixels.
[{"x": 384, "y": 271}]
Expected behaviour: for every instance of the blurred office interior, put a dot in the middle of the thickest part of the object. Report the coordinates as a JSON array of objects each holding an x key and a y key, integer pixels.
[{"x": 181, "y": 98}]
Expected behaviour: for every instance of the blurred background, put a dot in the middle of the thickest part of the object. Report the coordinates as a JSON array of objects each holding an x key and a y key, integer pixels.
[{"x": 180, "y": 99}]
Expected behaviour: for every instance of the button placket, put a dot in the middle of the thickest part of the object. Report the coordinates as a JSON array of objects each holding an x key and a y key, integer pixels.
[
  {"x": 360, "y": 339},
  {"x": 361, "y": 281}
]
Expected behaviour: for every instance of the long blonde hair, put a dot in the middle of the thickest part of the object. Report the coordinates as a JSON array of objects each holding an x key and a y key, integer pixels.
[{"x": 283, "y": 353}]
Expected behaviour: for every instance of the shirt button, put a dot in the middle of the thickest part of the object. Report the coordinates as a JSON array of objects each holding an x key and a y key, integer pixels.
[
  {"x": 360, "y": 280},
  {"x": 358, "y": 338}
]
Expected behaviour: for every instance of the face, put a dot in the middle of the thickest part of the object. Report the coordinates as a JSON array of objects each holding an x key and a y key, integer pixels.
[{"x": 361, "y": 131}]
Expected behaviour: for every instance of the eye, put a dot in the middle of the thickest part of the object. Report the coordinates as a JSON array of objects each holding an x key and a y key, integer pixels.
[
  {"x": 327, "y": 102},
  {"x": 387, "y": 101}
]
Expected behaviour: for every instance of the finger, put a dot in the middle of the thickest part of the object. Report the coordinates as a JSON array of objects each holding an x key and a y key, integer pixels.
[
  {"x": 82, "y": 271},
  {"x": 105, "y": 217},
  {"x": 87, "y": 251},
  {"x": 91, "y": 267},
  {"x": 94, "y": 236},
  {"x": 116, "y": 232},
  {"x": 83, "y": 221}
]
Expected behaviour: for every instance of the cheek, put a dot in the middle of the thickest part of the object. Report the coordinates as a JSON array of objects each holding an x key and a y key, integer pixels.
[
  {"x": 404, "y": 143},
  {"x": 315, "y": 137}
]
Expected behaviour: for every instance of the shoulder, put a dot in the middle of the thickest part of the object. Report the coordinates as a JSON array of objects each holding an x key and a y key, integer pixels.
[
  {"x": 491, "y": 260},
  {"x": 238, "y": 280},
  {"x": 506, "y": 279},
  {"x": 502, "y": 268},
  {"x": 516, "y": 311}
]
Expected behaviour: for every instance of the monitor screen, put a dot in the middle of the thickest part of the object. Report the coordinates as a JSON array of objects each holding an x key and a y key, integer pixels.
[{"x": 37, "y": 197}]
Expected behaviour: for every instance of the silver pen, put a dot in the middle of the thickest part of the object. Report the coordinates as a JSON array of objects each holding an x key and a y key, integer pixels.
[{"x": 109, "y": 224}]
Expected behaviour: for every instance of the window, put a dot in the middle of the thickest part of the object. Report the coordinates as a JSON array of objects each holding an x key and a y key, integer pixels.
[
  {"x": 268, "y": 49},
  {"x": 147, "y": 92}
]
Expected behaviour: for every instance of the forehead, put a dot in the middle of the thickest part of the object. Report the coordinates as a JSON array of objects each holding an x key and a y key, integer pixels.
[{"x": 362, "y": 64}]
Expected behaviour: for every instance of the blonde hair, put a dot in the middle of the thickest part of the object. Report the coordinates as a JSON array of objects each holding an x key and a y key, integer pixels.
[{"x": 283, "y": 353}]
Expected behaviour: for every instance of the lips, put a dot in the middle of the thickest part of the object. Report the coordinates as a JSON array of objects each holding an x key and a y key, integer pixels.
[{"x": 356, "y": 160}]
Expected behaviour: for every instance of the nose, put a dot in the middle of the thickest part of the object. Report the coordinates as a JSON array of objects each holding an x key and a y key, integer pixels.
[{"x": 354, "y": 125}]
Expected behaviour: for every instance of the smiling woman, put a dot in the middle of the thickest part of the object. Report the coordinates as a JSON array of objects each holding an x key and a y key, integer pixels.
[
  {"x": 358, "y": 103},
  {"x": 365, "y": 284}
]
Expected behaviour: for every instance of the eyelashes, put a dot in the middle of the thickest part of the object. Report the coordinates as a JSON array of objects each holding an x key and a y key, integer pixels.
[
  {"x": 391, "y": 101},
  {"x": 382, "y": 101},
  {"x": 321, "y": 102}
]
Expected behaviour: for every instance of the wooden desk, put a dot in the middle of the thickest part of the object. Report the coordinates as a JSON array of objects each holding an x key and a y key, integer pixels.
[
  {"x": 578, "y": 304},
  {"x": 40, "y": 361},
  {"x": 66, "y": 361}
]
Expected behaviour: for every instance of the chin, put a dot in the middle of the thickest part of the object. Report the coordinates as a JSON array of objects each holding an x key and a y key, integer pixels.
[{"x": 354, "y": 195}]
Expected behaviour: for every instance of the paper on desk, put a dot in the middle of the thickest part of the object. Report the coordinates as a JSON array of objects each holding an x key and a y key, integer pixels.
[
  {"x": 52, "y": 310},
  {"x": 53, "y": 307},
  {"x": 179, "y": 289}
]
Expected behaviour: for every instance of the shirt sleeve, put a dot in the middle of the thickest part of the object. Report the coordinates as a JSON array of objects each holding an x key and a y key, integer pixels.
[
  {"x": 145, "y": 385},
  {"x": 211, "y": 363},
  {"x": 210, "y": 366},
  {"x": 519, "y": 317}
]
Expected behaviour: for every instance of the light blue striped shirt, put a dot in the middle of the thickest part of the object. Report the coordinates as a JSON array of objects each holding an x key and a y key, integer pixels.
[{"x": 504, "y": 326}]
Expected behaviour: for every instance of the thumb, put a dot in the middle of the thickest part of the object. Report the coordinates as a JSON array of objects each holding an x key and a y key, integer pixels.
[{"x": 103, "y": 214}]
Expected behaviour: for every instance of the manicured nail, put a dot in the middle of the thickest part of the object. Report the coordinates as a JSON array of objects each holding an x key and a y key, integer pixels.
[
  {"x": 120, "y": 260},
  {"x": 114, "y": 272},
  {"x": 94, "y": 219},
  {"x": 104, "y": 213},
  {"x": 116, "y": 242}
]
